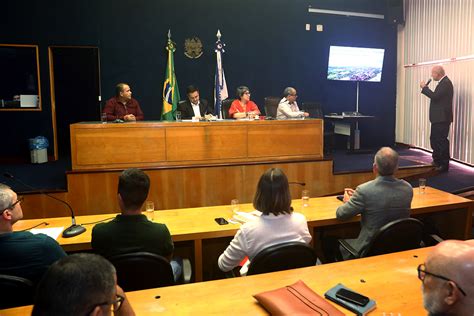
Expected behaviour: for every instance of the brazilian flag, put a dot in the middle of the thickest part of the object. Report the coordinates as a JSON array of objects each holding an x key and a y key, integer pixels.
[{"x": 170, "y": 86}]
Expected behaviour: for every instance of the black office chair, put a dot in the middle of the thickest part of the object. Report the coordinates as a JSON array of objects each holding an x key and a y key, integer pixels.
[
  {"x": 271, "y": 106},
  {"x": 399, "y": 235},
  {"x": 144, "y": 270},
  {"x": 284, "y": 256},
  {"x": 15, "y": 291},
  {"x": 225, "y": 108},
  {"x": 315, "y": 110}
]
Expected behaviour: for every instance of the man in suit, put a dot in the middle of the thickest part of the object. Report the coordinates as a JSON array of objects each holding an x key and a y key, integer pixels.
[
  {"x": 448, "y": 278},
  {"x": 441, "y": 116},
  {"x": 379, "y": 201},
  {"x": 194, "y": 106}
]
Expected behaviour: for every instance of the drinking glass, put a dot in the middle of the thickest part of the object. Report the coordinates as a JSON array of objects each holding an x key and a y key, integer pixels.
[
  {"x": 178, "y": 116},
  {"x": 103, "y": 118},
  {"x": 422, "y": 185},
  {"x": 305, "y": 198},
  {"x": 150, "y": 210}
]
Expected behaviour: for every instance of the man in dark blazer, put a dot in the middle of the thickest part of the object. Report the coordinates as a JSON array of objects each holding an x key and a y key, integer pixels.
[
  {"x": 194, "y": 105},
  {"x": 441, "y": 116},
  {"x": 379, "y": 201}
]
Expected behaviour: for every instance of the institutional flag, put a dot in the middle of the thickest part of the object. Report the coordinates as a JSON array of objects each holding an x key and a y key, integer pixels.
[
  {"x": 170, "y": 86},
  {"x": 220, "y": 89}
]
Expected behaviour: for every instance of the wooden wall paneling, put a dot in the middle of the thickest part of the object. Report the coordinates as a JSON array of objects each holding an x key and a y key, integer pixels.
[
  {"x": 206, "y": 142},
  {"x": 96, "y": 192}
]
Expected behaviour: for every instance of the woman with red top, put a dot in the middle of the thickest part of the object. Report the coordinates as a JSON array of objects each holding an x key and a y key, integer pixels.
[{"x": 242, "y": 106}]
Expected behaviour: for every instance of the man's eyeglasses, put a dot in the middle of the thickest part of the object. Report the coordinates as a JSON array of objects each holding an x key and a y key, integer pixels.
[
  {"x": 422, "y": 274},
  {"x": 114, "y": 306},
  {"x": 18, "y": 201}
]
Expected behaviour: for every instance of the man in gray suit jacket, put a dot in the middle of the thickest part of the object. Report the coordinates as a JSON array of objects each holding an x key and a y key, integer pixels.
[
  {"x": 441, "y": 116},
  {"x": 379, "y": 201}
]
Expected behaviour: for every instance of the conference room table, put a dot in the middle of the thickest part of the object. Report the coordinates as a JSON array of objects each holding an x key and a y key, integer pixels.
[
  {"x": 196, "y": 229},
  {"x": 391, "y": 280}
]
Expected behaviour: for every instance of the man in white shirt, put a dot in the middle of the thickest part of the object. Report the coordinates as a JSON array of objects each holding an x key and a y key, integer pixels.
[
  {"x": 194, "y": 106},
  {"x": 288, "y": 108}
]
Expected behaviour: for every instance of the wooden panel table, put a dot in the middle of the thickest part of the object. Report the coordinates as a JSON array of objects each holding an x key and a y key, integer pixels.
[
  {"x": 153, "y": 144},
  {"x": 391, "y": 280},
  {"x": 453, "y": 216}
]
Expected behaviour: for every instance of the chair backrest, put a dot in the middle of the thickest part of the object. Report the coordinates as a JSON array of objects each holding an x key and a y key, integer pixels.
[
  {"x": 271, "y": 106},
  {"x": 284, "y": 256},
  {"x": 314, "y": 109},
  {"x": 15, "y": 291},
  {"x": 225, "y": 108},
  {"x": 142, "y": 270},
  {"x": 399, "y": 235}
]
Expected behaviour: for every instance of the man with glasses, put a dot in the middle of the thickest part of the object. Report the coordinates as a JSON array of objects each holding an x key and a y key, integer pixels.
[
  {"x": 288, "y": 108},
  {"x": 448, "y": 279},
  {"x": 81, "y": 284},
  {"x": 23, "y": 254}
]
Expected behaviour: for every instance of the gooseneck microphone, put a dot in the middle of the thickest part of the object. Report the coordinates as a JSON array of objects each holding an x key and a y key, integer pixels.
[
  {"x": 298, "y": 183},
  {"x": 72, "y": 230}
]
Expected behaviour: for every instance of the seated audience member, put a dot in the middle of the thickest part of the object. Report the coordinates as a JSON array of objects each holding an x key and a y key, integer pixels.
[
  {"x": 379, "y": 201},
  {"x": 81, "y": 284},
  {"x": 288, "y": 108},
  {"x": 277, "y": 224},
  {"x": 242, "y": 106},
  {"x": 194, "y": 106},
  {"x": 23, "y": 254},
  {"x": 448, "y": 279},
  {"x": 123, "y": 106},
  {"x": 131, "y": 231}
]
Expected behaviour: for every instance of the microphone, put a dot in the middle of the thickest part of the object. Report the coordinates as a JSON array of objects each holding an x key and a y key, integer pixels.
[
  {"x": 428, "y": 82},
  {"x": 298, "y": 183},
  {"x": 72, "y": 230}
]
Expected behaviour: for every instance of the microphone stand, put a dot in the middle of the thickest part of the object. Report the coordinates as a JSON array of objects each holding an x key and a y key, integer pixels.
[{"x": 72, "y": 230}]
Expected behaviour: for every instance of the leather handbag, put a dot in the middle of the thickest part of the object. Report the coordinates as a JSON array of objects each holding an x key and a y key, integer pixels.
[{"x": 296, "y": 299}]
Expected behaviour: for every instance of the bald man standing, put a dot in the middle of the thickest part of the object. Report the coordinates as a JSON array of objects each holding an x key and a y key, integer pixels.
[
  {"x": 441, "y": 116},
  {"x": 448, "y": 279}
]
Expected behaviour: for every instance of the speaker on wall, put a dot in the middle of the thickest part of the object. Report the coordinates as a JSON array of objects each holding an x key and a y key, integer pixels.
[{"x": 395, "y": 13}]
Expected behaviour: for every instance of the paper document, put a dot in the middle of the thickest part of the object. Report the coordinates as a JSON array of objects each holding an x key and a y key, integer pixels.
[
  {"x": 243, "y": 217},
  {"x": 52, "y": 232}
]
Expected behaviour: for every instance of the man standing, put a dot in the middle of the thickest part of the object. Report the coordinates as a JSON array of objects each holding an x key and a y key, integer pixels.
[
  {"x": 23, "y": 254},
  {"x": 448, "y": 279},
  {"x": 131, "y": 231},
  {"x": 288, "y": 108},
  {"x": 81, "y": 284},
  {"x": 123, "y": 106},
  {"x": 194, "y": 106},
  {"x": 441, "y": 116},
  {"x": 379, "y": 201}
]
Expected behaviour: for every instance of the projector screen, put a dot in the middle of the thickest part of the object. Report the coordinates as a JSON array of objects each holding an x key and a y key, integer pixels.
[{"x": 355, "y": 63}]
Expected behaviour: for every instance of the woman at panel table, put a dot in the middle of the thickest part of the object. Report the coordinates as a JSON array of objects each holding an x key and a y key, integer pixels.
[
  {"x": 277, "y": 224},
  {"x": 242, "y": 106}
]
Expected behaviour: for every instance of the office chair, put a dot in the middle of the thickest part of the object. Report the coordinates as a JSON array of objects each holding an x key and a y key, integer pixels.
[
  {"x": 399, "y": 235},
  {"x": 315, "y": 110},
  {"x": 271, "y": 106},
  {"x": 290, "y": 255},
  {"x": 15, "y": 291},
  {"x": 144, "y": 270},
  {"x": 225, "y": 108}
]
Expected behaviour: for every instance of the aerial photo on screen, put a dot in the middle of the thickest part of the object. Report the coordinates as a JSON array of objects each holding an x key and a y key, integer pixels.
[{"x": 355, "y": 63}]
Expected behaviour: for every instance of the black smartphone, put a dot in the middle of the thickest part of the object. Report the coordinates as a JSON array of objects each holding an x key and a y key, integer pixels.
[
  {"x": 340, "y": 198},
  {"x": 352, "y": 297},
  {"x": 221, "y": 221}
]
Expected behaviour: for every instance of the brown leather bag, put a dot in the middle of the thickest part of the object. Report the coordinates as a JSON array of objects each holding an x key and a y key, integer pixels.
[{"x": 296, "y": 299}]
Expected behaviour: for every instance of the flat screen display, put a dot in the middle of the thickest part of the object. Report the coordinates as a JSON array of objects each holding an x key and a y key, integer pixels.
[{"x": 355, "y": 63}]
